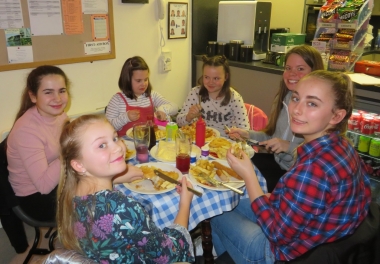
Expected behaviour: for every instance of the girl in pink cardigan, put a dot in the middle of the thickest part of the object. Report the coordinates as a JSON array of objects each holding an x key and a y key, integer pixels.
[{"x": 33, "y": 143}]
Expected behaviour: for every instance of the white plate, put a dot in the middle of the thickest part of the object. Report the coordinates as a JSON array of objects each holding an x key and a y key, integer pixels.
[
  {"x": 221, "y": 188},
  {"x": 216, "y": 134},
  {"x": 130, "y": 146},
  {"x": 146, "y": 186},
  {"x": 154, "y": 150},
  {"x": 129, "y": 133},
  {"x": 249, "y": 151}
]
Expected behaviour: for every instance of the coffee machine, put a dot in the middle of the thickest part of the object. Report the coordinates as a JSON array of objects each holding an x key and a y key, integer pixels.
[{"x": 248, "y": 21}]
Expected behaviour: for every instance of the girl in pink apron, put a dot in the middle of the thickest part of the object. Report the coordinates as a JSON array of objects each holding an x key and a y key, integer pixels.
[{"x": 136, "y": 101}]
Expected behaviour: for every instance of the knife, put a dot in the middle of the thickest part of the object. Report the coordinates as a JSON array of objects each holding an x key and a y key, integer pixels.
[{"x": 169, "y": 179}]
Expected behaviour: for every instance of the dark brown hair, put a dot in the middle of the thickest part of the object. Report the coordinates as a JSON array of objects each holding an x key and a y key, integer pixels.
[
  {"x": 216, "y": 61},
  {"x": 33, "y": 83},
  {"x": 125, "y": 79},
  {"x": 313, "y": 58}
]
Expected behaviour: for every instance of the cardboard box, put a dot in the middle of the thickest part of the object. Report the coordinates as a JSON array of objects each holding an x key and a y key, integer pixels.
[
  {"x": 288, "y": 39},
  {"x": 278, "y": 48}
]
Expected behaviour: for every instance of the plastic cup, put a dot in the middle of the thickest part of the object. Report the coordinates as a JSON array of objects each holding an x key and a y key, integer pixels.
[
  {"x": 183, "y": 143},
  {"x": 141, "y": 138}
]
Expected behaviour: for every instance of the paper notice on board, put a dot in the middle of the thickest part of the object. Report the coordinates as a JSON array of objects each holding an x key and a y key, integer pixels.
[
  {"x": 72, "y": 17},
  {"x": 97, "y": 47},
  {"x": 11, "y": 14},
  {"x": 45, "y": 17},
  {"x": 95, "y": 6},
  {"x": 20, "y": 54},
  {"x": 18, "y": 37},
  {"x": 100, "y": 27}
]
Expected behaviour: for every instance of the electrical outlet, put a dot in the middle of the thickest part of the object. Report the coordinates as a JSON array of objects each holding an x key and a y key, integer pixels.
[{"x": 166, "y": 61}]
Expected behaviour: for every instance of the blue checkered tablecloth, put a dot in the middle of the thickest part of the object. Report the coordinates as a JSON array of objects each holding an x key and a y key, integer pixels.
[{"x": 163, "y": 208}]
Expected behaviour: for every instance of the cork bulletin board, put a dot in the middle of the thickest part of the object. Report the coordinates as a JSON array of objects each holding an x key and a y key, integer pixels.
[{"x": 86, "y": 36}]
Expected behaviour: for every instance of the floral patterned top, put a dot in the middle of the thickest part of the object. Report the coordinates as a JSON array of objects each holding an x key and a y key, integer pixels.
[{"x": 114, "y": 228}]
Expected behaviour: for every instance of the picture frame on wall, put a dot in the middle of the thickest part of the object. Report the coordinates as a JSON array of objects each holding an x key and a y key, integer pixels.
[{"x": 177, "y": 20}]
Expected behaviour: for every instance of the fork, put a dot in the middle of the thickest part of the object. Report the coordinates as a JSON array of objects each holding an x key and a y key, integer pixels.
[{"x": 217, "y": 183}]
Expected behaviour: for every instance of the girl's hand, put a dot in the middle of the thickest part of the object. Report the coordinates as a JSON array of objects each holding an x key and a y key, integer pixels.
[
  {"x": 185, "y": 195},
  {"x": 276, "y": 145},
  {"x": 194, "y": 111},
  {"x": 161, "y": 116},
  {"x": 133, "y": 115},
  {"x": 243, "y": 167},
  {"x": 237, "y": 133}
]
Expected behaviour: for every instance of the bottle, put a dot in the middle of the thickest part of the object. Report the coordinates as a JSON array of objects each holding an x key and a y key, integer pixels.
[
  {"x": 200, "y": 132},
  {"x": 205, "y": 151},
  {"x": 152, "y": 133},
  {"x": 171, "y": 131}
]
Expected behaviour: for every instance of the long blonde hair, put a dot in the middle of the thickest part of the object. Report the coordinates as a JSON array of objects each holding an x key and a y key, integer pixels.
[
  {"x": 70, "y": 150},
  {"x": 312, "y": 58}
]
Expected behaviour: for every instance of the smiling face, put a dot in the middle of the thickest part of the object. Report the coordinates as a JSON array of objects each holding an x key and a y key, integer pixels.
[
  {"x": 102, "y": 152},
  {"x": 140, "y": 81},
  {"x": 52, "y": 97},
  {"x": 213, "y": 79},
  {"x": 311, "y": 108},
  {"x": 295, "y": 69}
]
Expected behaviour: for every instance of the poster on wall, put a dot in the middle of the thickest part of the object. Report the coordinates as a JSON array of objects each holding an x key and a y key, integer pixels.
[
  {"x": 45, "y": 19},
  {"x": 19, "y": 45},
  {"x": 177, "y": 22},
  {"x": 100, "y": 27}
]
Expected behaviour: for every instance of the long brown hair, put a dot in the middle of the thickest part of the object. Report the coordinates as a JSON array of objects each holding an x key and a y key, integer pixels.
[
  {"x": 33, "y": 83},
  {"x": 216, "y": 61},
  {"x": 125, "y": 79},
  {"x": 312, "y": 58},
  {"x": 342, "y": 88},
  {"x": 70, "y": 150}
]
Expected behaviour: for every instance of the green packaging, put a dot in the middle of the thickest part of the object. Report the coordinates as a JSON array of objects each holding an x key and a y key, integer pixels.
[
  {"x": 288, "y": 39},
  {"x": 363, "y": 145},
  {"x": 374, "y": 148}
]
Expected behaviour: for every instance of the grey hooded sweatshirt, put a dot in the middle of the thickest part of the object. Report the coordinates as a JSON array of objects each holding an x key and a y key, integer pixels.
[{"x": 283, "y": 131}]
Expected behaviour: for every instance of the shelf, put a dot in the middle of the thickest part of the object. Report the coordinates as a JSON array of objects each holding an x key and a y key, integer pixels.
[
  {"x": 346, "y": 53},
  {"x": 377, "y": 179},
  {"x": 368, "y": 156},
  {"x": 361, "y": 134}
]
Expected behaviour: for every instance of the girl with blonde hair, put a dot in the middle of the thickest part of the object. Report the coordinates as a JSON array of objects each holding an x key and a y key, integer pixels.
[{"x": 104, "y": 224}]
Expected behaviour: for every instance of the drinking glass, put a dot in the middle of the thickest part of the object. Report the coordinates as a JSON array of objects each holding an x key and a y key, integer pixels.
[
  {"x": 183, "y": 143},
  {"x": 141, "y": 138}
]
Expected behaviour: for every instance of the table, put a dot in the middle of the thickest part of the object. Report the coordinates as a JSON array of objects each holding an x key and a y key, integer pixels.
[{"x": 163, "y": 208}]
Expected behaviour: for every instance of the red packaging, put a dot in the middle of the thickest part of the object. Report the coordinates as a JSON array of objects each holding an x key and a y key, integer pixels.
[
  {"x": 376, "y": 125},
  {"x": 367, "y": 125},
  {"x": 354, "y": 121},
  {"x": 368, "y": 67}
]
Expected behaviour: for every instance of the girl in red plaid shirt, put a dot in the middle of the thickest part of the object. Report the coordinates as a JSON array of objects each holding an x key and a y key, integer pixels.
[{"x": 323, "y": 197}]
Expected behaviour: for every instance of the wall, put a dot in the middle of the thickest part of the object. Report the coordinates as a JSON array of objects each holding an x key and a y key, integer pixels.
[
  {"x": 93, "y": 84},
  {"x": 288, "y": 14}
]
